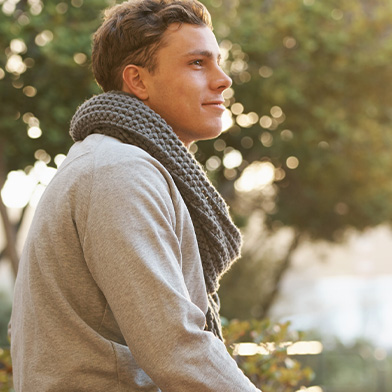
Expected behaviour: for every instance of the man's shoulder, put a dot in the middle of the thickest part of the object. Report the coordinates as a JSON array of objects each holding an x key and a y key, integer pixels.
[
  {"x": 126, "y": 159},
  {"x": 113, "y": 162},
  {"x": 103, "y": 161},
  {"x": 107, "y": 149},
  {"x": 99, "y": 151}
]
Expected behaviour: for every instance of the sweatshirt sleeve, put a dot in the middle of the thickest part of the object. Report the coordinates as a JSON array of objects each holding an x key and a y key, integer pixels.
[{"x": 134, "y": 255}]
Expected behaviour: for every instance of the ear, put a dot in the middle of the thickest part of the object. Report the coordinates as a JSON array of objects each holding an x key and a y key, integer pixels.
[{"x": 133, "y": 81}]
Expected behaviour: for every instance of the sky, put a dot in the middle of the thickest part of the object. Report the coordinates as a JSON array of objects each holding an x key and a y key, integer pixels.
[{"x": 342, "y": 290}]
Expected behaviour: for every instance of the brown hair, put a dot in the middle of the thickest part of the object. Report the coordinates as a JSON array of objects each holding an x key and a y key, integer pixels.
[{"x": 132, "y": 33}]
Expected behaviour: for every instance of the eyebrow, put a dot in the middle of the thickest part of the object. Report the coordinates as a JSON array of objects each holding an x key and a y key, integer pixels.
[{"x": 204, "y": 53}]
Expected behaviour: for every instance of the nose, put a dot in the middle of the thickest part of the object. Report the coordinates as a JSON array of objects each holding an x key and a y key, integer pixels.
[{"x": 221, "y": 80}]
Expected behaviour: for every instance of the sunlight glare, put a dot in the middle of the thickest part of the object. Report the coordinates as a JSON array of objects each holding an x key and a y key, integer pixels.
[
  {"x": 34, "y": 132},
  {"x": 311, "y": 389},
  {"x": 44, "y": 173},
  {"x": 255, "y": 177},
  {"x": 297, "y": 348},
  {"x": 59, "y": 159},
  {"x": 37, "y": 194},
  {"x": 18, "y": 46},
  {"x": 305, "y": 348},
  {"x": 18, "y": 189},
  {"x": 227, "y": 120},
  {"x": 21, "y": 188},
  {"x": 232, "y": 159},
  {"x": 15, "y": 65}
]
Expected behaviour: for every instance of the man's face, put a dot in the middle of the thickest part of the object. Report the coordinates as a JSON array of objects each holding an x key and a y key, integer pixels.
[{"x": 186, "y": 87}]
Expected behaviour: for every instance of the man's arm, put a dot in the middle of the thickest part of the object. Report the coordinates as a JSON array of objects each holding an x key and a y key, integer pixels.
[{"x": 133, "y": 252}]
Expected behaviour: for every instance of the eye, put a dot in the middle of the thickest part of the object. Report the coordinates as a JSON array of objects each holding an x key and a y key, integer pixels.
[{"x": 199, "y": 62}]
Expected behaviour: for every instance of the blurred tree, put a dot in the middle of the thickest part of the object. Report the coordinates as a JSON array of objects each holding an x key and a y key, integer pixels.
[{"x": 310, "y": 144}]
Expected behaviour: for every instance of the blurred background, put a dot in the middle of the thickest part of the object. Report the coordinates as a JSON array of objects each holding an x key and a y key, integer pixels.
[{"x": 305, "y": 162}]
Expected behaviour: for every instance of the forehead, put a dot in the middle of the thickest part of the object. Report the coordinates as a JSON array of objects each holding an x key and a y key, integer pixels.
[{"x": 185, "y": 40}]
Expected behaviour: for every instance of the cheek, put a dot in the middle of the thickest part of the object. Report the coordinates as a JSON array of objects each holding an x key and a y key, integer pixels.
[
  {"x": 178, "y": 96},
  {"x": 187, "y": 99},
  {"x": 173, "y": 93}
]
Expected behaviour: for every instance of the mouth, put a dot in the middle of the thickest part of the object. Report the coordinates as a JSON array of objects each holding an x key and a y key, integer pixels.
[{"x": 215, "y": 105}]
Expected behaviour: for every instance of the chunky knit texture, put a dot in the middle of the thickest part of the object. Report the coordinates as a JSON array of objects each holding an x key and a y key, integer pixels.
[{"x": 126, "y": 118}]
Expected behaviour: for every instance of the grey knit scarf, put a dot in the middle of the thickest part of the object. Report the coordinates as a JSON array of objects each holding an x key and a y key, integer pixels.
[{"x": 126, "y": 118}]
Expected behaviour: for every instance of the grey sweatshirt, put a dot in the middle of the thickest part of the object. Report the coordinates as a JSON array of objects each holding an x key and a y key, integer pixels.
[{"x": 110, "y": 294}]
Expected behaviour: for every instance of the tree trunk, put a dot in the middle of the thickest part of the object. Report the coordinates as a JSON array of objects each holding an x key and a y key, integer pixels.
[{"x": 283, "y": 267}]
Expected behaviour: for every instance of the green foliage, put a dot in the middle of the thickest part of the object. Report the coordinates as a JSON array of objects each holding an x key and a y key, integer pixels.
[
  {"x": 5, "y": 357},
  {"x": 44, "y": 60},
  {"x": 5, "y": 314},
  {"x": 6, "y": 384},
  {"x": 275, "y": 372},
  {"x": 325, "y": 65}
]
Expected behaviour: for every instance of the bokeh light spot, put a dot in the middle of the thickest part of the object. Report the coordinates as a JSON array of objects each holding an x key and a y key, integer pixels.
[
  {"x": 34, "y": 132},
  {"x": 292, "y": 162},
  {"x": 80, "y": 58},
  {"x": 255, "y": 177},
  {"x": 232, "y": 159}
]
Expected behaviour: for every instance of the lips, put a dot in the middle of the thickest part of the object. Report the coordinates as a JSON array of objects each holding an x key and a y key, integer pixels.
[{"x": 215, "y": 104}]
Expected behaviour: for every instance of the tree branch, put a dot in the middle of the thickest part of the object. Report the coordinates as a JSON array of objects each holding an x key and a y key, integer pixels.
[{"x": 284, "y": 265}]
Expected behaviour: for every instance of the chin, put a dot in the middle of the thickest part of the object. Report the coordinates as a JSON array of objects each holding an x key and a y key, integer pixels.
[
  {"x": 210, "y": 135},
  {"x": 212, "y": 128},
  {"x": 201, "y": 131},
  {"x": 215, "y": 132}
]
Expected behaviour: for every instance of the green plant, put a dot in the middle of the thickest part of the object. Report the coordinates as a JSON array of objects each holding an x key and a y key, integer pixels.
[
  {"x": 5, "y": 314},
  {"x": 275, "y": 371},
  {"x": 6, "y": 384}
]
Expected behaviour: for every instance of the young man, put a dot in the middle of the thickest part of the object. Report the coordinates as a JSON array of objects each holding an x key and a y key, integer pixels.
[{"x": 117, "y": 284}]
